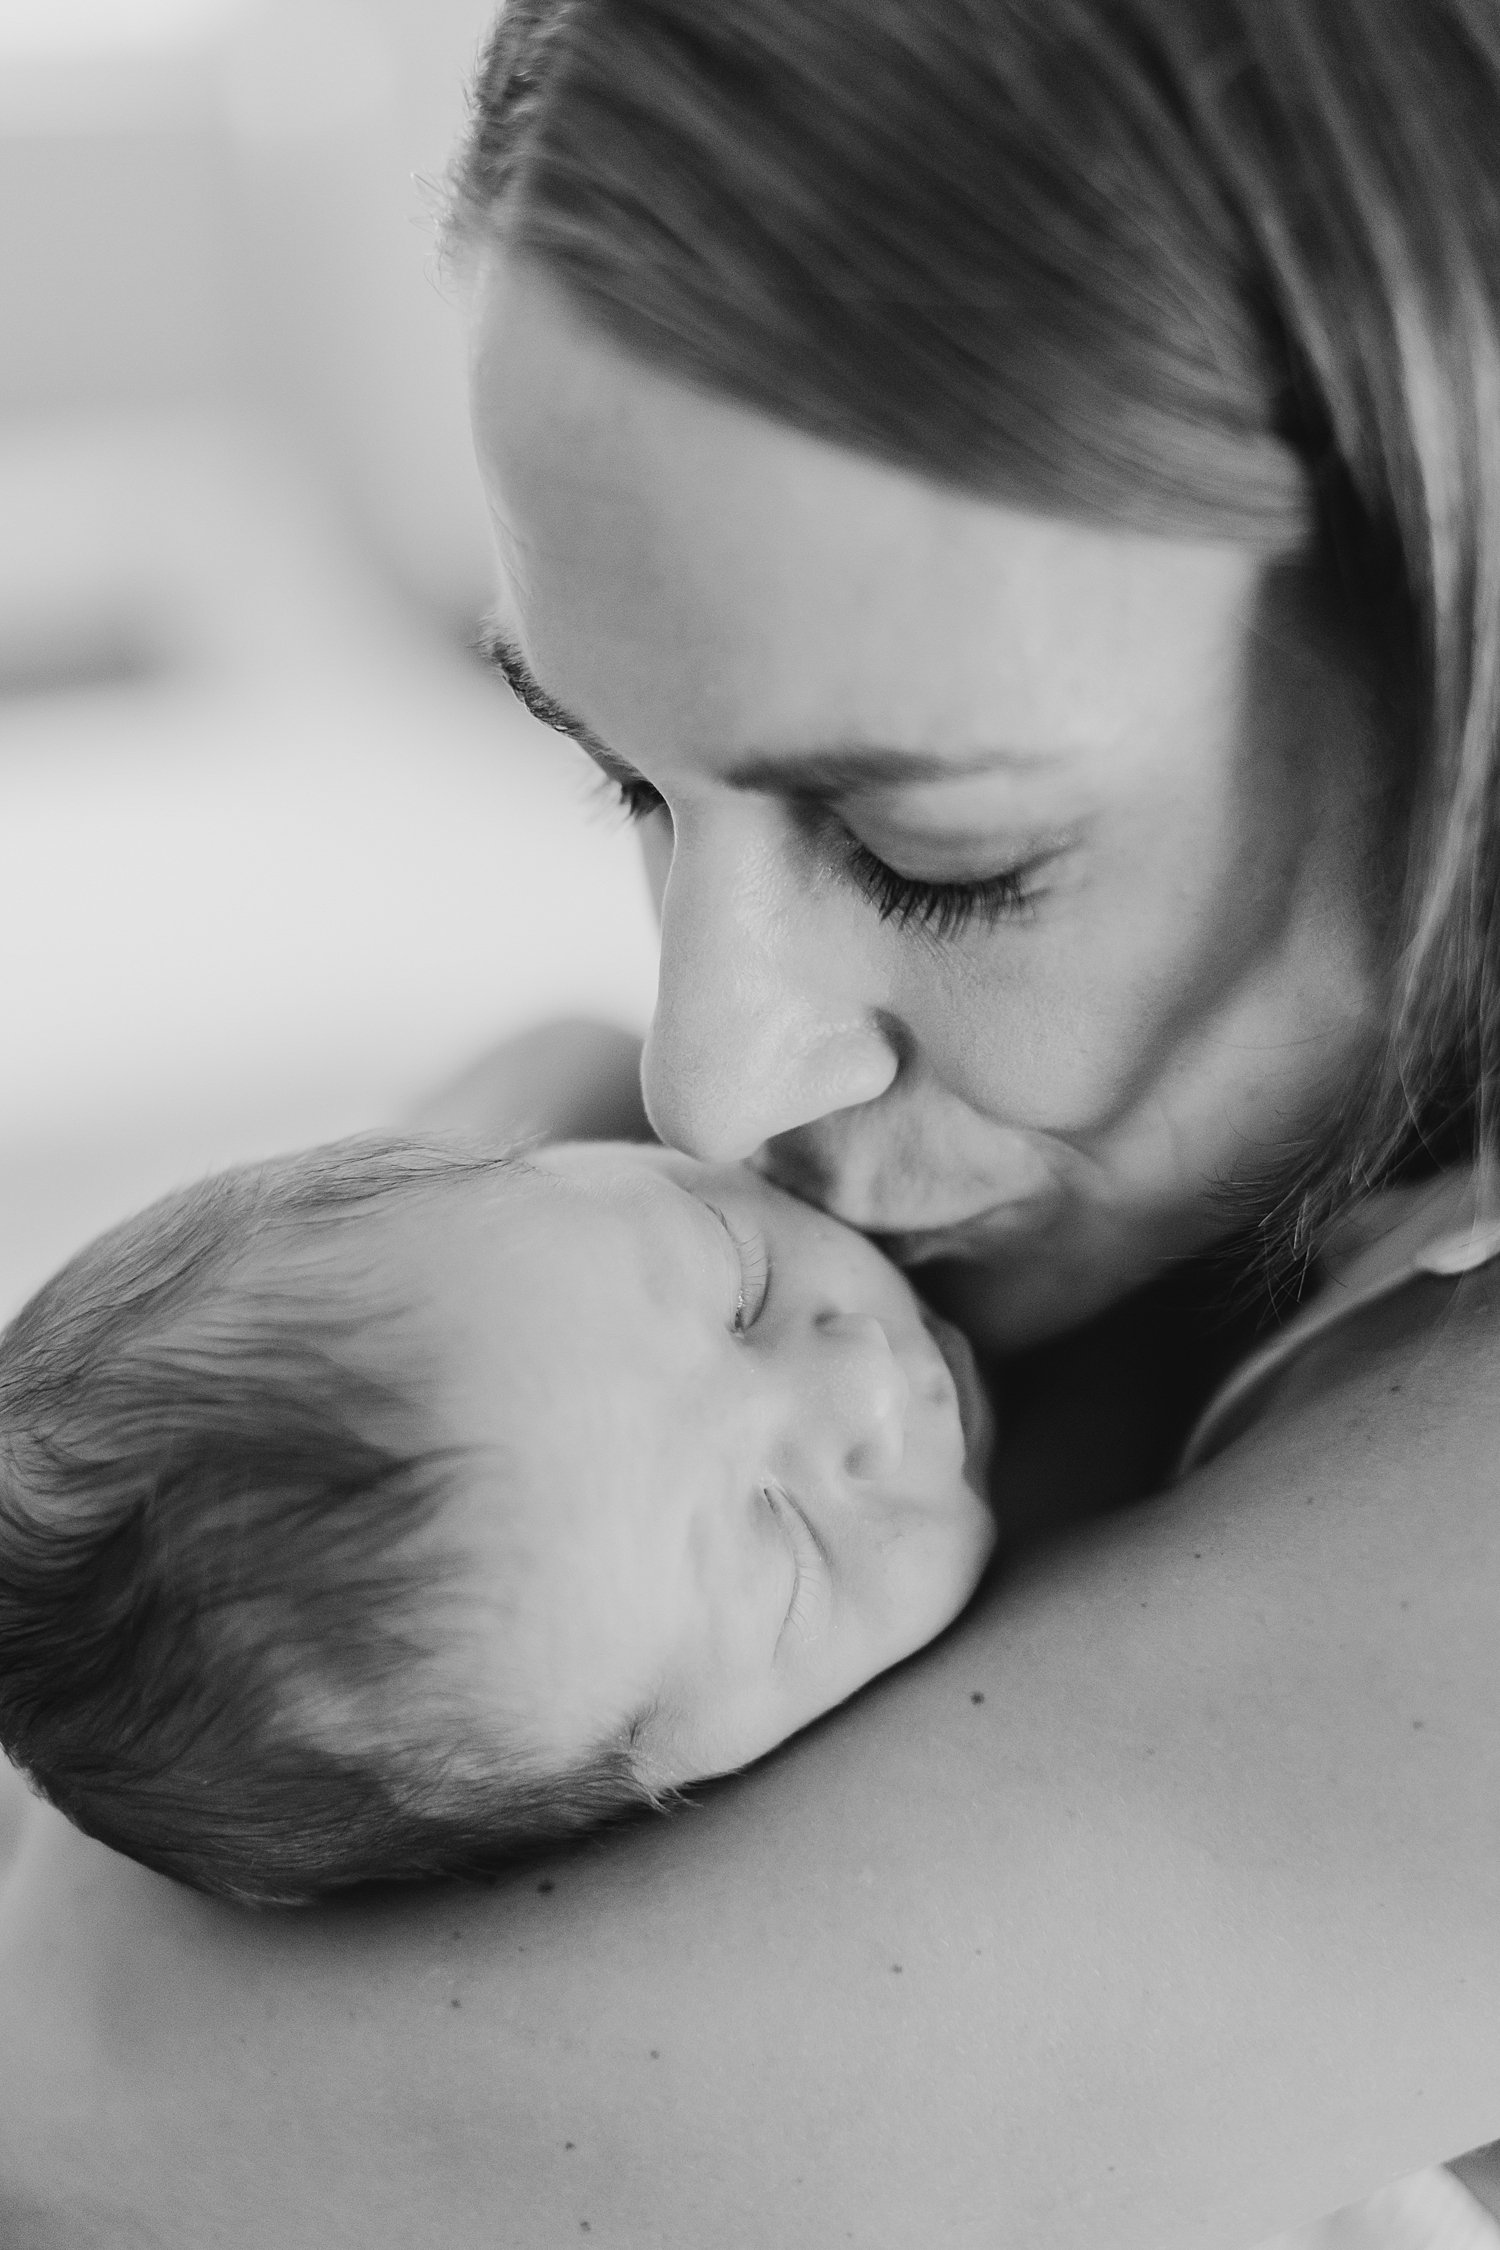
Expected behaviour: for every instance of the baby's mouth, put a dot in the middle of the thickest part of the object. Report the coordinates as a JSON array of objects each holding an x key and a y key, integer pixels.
[{"x": 974, "y": 1415}]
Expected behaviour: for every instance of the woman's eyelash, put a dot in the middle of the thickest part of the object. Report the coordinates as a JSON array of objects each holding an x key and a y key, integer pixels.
[
  {"x": 943, "y": 910},
  {"x": 634, "y": 796}
]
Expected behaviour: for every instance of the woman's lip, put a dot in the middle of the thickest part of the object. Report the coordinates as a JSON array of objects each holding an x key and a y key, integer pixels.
[
  {"x": 969, "y": 1238},
  {"x": 975, "y": 1418}
]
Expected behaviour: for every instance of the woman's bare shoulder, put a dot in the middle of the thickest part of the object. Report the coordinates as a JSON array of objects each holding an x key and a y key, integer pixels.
[
  {"x": 1408, "y": 1378},
  {"x": 1160, "y": 1898}
]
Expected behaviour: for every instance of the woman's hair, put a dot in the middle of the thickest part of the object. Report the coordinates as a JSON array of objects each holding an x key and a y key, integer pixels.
[
  {"x": 1224, "y": 268},
  {"x": 228, "y": 1633}
]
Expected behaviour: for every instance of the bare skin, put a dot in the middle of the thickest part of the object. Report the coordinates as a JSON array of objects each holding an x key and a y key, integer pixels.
[
  {"x": 1187, "y": 1930},
  {"x": 1144, "y": 773}
]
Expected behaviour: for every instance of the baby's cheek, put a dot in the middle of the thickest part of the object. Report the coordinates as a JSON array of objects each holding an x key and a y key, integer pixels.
[
  {"x": 721, "y": 1716},
  {"x": 933, "y": 1571}
]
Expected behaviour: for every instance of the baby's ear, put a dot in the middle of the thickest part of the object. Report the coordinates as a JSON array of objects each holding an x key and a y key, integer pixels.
[{"x": 647, "y": 1745}]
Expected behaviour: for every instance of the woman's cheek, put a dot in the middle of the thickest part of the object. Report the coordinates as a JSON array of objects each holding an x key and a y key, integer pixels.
[{"x": 1019, "y": 1041}]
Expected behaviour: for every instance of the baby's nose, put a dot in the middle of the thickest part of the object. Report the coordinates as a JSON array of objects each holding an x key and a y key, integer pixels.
[{"x": 870, "y": 1395}]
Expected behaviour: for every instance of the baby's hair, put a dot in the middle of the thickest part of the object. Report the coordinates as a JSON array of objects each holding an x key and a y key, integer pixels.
[{"x": 219, "y": 1629}]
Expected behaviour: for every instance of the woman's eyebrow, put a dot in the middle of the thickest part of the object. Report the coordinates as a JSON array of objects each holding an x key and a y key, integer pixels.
[
  {"x": 856, "y": 766},
  {"x": 816, "y": 775}
]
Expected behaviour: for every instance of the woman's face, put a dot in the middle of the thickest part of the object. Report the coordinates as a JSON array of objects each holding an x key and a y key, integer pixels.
[{"x": 1015, "y": 877}]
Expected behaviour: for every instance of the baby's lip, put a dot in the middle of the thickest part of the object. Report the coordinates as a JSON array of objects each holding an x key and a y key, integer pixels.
[{"x": 975, "y": 1417}]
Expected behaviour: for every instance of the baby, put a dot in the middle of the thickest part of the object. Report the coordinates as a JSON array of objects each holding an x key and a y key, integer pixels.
[{"x": 387, "y": 1510}]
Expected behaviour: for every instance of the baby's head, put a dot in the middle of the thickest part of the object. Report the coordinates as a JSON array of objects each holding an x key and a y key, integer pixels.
[{"x": 385, "y": 1510}]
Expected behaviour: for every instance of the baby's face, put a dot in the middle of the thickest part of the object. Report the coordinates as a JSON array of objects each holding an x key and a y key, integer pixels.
[{"x": 730, "y": 1468}]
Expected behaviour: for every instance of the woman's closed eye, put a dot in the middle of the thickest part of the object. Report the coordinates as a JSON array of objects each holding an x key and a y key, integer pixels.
[
  {"x": 941, "y": 903},
  {"x": 631, "y": 794},
  {"x": 943, "y": 909}
]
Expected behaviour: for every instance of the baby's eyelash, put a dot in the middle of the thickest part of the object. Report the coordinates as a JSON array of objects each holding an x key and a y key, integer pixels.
[
  {"x": 755, "y": 1280},
  {"x": 755, "y": 1273},
  {"x": 800, "y": 1615},
  {"x": 801, "y": 1607}
]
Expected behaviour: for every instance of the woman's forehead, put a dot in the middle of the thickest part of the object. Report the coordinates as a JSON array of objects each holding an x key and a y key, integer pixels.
[{"x": 680, "y": 567}]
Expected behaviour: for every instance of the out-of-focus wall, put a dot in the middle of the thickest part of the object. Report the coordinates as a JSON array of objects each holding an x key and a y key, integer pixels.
[
  {"x": 344, "y": 115},
  {"x": 275, "y": 856},
  {"x": 234, "y": 199}
]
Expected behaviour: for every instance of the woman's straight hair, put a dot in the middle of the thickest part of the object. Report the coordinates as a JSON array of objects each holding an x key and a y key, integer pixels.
[{"x": 1226, "y": 269}]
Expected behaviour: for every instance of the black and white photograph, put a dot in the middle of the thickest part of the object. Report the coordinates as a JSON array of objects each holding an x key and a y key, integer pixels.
[{"x": 750, "y": 1124}]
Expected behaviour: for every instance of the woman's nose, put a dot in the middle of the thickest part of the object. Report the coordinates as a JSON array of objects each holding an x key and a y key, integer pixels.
[
  {"x": 858, "y": 1407},
  {"x": 760, "y": 1026}
]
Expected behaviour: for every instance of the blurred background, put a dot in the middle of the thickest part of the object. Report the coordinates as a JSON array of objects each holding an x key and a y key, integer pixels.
[{"x": 276, "y": 856}]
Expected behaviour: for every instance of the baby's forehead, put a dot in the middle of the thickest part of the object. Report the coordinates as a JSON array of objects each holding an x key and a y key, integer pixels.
[
  {"x": 502, "y": 1255},
  {"x": 629, "y": 1168}
]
